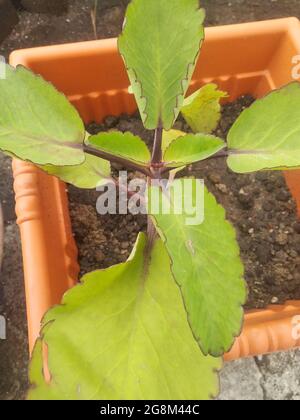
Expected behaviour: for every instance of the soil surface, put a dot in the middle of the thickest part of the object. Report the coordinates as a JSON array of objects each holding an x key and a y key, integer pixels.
[
  {"x": 41, "y": 29},
  {"x": 259, "y": 205}
]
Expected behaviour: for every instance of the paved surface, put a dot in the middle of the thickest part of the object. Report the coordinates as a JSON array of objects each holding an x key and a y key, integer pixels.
[{"x": 273, "y": 377}]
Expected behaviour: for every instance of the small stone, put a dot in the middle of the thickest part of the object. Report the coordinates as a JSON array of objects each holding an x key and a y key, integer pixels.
[
  {"x": 274, "y": 300},
  {"x": 125, "y": 245},
  {"x": 293, "y": 254},
  {"x": 222, "y": 188},
  {"x": 251, "y": 231},
  {"x": 282, "y": 239},
  {"x": 215, "y": 178}
]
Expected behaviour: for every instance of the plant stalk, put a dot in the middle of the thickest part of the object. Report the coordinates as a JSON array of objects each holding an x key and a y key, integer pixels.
[{"x": 157, "y": 151}]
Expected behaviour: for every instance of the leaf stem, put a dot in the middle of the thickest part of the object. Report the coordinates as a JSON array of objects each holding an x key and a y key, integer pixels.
[
  {"x": 151, "y": 229},
  {"x": 116, "y": 159},
  {"x": 157, "y": 146}
]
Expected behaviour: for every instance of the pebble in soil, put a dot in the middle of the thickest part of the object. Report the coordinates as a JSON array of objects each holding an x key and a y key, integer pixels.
[{"x": 259, "y": 205}]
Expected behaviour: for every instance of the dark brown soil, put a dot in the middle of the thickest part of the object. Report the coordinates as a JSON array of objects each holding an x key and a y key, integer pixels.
[{"x": 259, "y": 206}]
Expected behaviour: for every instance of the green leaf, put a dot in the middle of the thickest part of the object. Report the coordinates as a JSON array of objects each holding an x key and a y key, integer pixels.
[
  {"x": 192, "y": 148},
  {"x": 37, "y": 123},
  {"x": 90, "y": 174},
  {"x": 123, "y": 334},
  {"x": 169, "y": 136},
  {"x": 267, "y": 135},
  {"x": 160, "y": 45},
  {"x": 202, "y": 110},
  {"x": 205, "y": 264},
  {"x": 123, "y": 145}
]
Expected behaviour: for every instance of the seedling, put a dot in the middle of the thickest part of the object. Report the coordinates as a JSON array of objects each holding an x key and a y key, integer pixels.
[{"x": 156, "y": 326}]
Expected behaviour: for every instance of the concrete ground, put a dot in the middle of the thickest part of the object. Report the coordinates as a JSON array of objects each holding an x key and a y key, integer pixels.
[{"x": 275, "y": 377}]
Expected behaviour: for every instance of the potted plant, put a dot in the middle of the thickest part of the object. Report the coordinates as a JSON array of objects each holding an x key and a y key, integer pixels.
[{"x": 40, "y": 199}]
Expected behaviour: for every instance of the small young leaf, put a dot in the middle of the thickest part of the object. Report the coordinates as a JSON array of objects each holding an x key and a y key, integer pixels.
[
  {"x": 192, "y": 148},
  {"x": 202, "y": 110},
  {"x": 267, "y": 135},
  {"x": 207, "y": 267},
  {"x": 160, "y": 45},
  {"x": 37, "y": 123},
  {"x": 169, "y": 136},
  {"x": 123, "y": 335},
  {"x": 90, "y": 174},
  {"x": 123, "y": 145}
]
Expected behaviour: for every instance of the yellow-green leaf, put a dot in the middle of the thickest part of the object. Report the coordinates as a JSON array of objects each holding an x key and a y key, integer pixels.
[
  {"x": 205, "y": 263},
  {"x": 160, "y": 44},
  {"x": 169, "y": 136},
  {"x": 92, "y": 173},
  {"x": 37, "y": 123},
  {"x": 192, "y": 148},
  {"x": 202, "y": 110},
  {"x": 123, "y": 334},
  {"x": 267, "y": 135},
  {"x": 123, "y": 145}
]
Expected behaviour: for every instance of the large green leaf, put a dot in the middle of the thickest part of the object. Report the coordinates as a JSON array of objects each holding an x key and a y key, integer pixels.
[
  {"x": 90, "y": 174},
  {"x": 267, "y": 135},
  {"x": 202, "y": 110},
  {"x": 192, "y": 148},
  {"x": 123, "y": 334},
  {"x": 160, "y": 45},
  {"x": 206, "y": 265},
  {"x": 123, "y": 145},
  {"x": 37, "y": 123}
]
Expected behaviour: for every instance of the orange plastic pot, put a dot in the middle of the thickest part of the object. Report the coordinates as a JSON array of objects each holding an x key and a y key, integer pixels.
[{"x": 246, "y": 58}]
